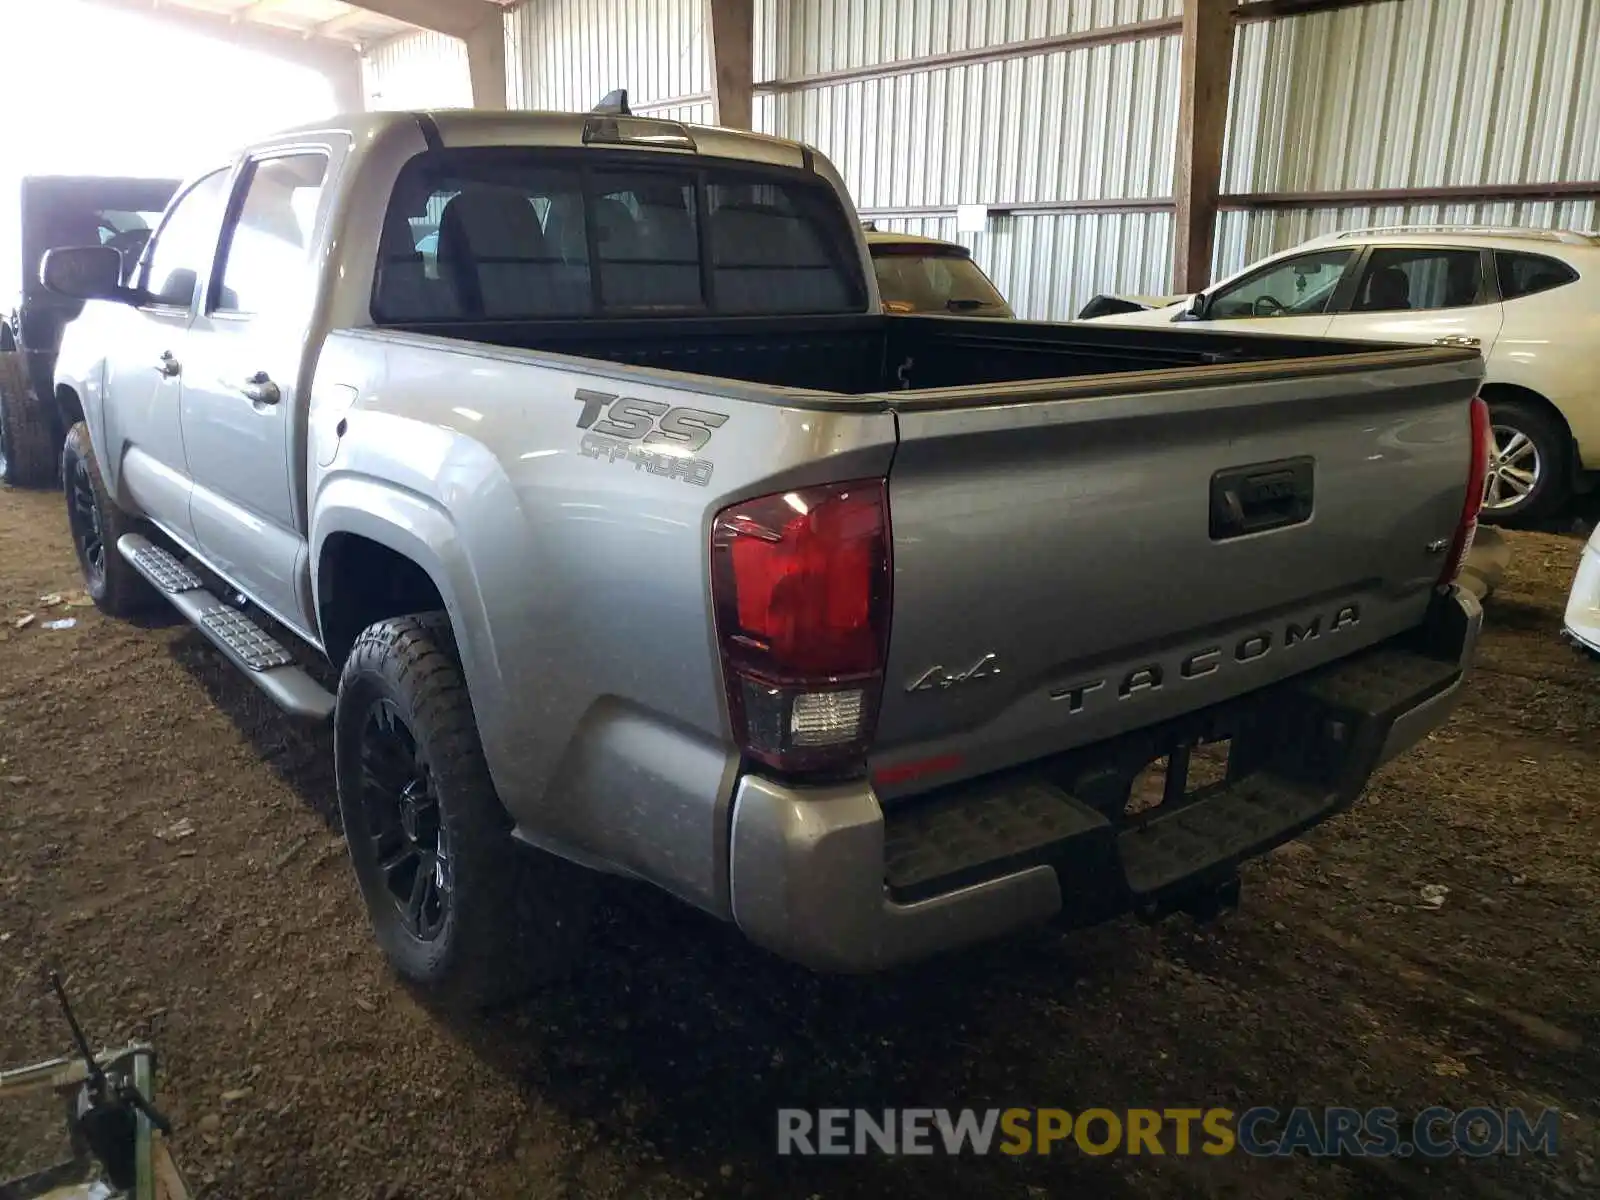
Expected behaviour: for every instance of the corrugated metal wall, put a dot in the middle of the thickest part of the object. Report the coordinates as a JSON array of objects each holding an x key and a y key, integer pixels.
[
  {"x": 975, "y": 133},
  {"x": 1422, "y": 93},
  {"x": 420, "y": 70},
  {"x": 1412, "y": 93},
  {"x": 993, "y": 133},
  {"x": 572, "y": 52},
  {"x": 807, "y": 37}
]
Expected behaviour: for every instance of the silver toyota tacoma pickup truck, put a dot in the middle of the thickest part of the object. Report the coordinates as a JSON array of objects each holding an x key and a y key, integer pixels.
[{"x": 568, "y": 463}]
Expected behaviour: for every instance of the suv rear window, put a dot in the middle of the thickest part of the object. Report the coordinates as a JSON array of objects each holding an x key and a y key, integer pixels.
[
  {"x": 918, "y": 278},
  {"x": 1526, "y": 274},
  {"x": 509, "y": 234}
]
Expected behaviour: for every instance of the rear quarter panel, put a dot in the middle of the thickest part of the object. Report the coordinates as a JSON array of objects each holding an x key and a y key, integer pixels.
[
  {"x": 577, "y": 582},
  {"x": 1548, "y": 344}
]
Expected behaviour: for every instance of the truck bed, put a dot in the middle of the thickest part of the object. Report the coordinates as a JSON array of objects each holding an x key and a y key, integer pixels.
[{"x": 863, "y": 355}]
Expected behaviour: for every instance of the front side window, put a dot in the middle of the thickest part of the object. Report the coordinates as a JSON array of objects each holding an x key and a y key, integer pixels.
[
  {"x": 183, "y": 247},
  {"x": 1529, "y": 274},
  {"x": 1296, "y": 287},
  {"x": 264, "y": 263},
  {"x": 1399, "y": 279},
  {"x": 507, "y": 234},
  {"x": 913, "y": 278}
]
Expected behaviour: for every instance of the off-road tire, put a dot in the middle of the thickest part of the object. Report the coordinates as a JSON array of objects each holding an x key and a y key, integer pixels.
[
  {"x": 516, "y": 917},
  {"x": 115, "y": 587},
  {"x": 1553, "y": 487},
  {"x": 27, "y": 455}
]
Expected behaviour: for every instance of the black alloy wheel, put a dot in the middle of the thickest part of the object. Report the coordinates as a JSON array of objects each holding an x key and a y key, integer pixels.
[
  {"x": 409, "y": 840},
  {"x": 83, "y": 516}
]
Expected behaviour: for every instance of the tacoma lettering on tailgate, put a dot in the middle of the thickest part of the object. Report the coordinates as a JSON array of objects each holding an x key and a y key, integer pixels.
[{"x": 1207, "y": 660}]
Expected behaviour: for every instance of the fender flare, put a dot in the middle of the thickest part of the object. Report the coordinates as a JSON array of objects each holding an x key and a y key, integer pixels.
[{"x": 418, "y": 528}]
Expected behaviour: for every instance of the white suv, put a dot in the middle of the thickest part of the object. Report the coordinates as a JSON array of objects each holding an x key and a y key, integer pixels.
[{"x": 1529, "y": 298}]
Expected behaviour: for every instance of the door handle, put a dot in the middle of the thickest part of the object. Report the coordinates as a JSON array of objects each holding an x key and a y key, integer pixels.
[
  {"x": 1457, "y": 339},
  {"x": 168, "y": 366},
  {"x": 259, "y": 389}
]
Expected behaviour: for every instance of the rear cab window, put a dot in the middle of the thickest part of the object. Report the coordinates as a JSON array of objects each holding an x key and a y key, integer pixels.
[
  {"x": 916, "y": 277},
  {"x": 1522, "y": 274},
  {"x": 513, "y": 233}
]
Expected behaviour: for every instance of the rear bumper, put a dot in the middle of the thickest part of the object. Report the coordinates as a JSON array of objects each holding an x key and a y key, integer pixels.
[{"x": 825, "y": 877}]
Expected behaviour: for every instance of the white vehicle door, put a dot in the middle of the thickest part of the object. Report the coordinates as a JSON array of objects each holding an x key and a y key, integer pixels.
[
  {"x": 246, "y": 350},
  {"x": 143, "y": 440},
  {"x": 1423, "y": 294},
  {"x": 1291, "y": 295}
]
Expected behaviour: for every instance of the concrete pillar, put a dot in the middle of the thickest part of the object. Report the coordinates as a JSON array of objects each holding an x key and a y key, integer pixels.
[
  {"x": 486, "y": 62},
  {"x": 342, "y": 70}
]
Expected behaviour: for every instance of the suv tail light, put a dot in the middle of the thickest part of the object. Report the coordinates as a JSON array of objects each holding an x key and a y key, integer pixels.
[
  {"x": 800, "y": 584},
  {"x": 1477, "y": 480}
]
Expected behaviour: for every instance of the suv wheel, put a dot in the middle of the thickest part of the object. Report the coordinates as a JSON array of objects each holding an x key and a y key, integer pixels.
[
  {"x": 459, "y": 907},
  {"x": 1528, "y": 464}
]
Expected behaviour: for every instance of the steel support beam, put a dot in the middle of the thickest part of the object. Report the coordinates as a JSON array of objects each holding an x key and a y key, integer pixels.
[
  {"x": 1206, "y": 64},
  {"x": 337, "y": 62},
  {"x": 731, "y": 26},
  {"x": 457, "y": 18}
]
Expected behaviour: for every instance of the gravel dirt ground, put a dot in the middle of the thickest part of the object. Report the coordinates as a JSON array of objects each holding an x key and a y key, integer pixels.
[{"x": 168, "y": 840}]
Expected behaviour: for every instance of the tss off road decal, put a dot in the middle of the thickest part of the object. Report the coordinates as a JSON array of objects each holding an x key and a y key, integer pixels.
[{"x": 653, "y": 436}]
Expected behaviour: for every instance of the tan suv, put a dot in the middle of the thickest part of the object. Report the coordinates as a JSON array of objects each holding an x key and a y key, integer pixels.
[{"x": 926, "y": 275}]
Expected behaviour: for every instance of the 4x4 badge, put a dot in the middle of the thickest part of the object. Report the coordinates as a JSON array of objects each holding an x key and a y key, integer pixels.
[{"x": 938, "y": 678}]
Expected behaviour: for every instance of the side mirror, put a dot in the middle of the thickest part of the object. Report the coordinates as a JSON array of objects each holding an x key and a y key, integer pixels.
[
  {"x": 86, "y": 273},
  {"x": 1197, "y": 306}
]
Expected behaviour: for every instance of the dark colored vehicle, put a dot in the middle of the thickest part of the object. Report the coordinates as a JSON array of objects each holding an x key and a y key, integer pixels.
[
  {"x": 926, "y": 275},
  {"x": 59, "y": 210}
]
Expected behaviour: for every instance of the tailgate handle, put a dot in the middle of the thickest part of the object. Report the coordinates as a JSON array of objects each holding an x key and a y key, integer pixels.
[{"x": 1261, "y": 496}]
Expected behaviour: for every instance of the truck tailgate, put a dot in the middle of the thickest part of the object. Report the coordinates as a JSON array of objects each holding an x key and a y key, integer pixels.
[{"x": 1071, "y": 567}]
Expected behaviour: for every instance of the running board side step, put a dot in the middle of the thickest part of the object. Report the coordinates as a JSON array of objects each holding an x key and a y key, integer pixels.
[{"x": 252, "y": 649}]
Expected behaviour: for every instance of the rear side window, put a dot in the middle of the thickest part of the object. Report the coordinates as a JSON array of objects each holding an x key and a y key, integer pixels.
[
  {"x": 264, "y": 259},
  {"x": 1527, "y": 274},
  {"x": 509, "y": 234},
  {"x": 1398, "y": 279}
]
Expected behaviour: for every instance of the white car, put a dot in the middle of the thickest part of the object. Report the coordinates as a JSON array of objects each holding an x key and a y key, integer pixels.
[
  {"x": 1529, "y": 298},
  {"x": 1582, "y": 623}
]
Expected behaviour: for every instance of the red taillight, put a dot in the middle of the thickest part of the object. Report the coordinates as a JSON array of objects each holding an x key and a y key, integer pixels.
[
  {"x": 800, "y": 581},
  {"x": 1477, "y": 480}
]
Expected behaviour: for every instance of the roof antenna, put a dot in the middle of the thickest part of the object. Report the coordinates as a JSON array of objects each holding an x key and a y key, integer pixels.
[{"x": 614, "y": 103}]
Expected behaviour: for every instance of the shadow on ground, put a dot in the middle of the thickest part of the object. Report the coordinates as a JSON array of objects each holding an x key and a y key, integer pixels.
[{"x": 300, "y": 753}]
